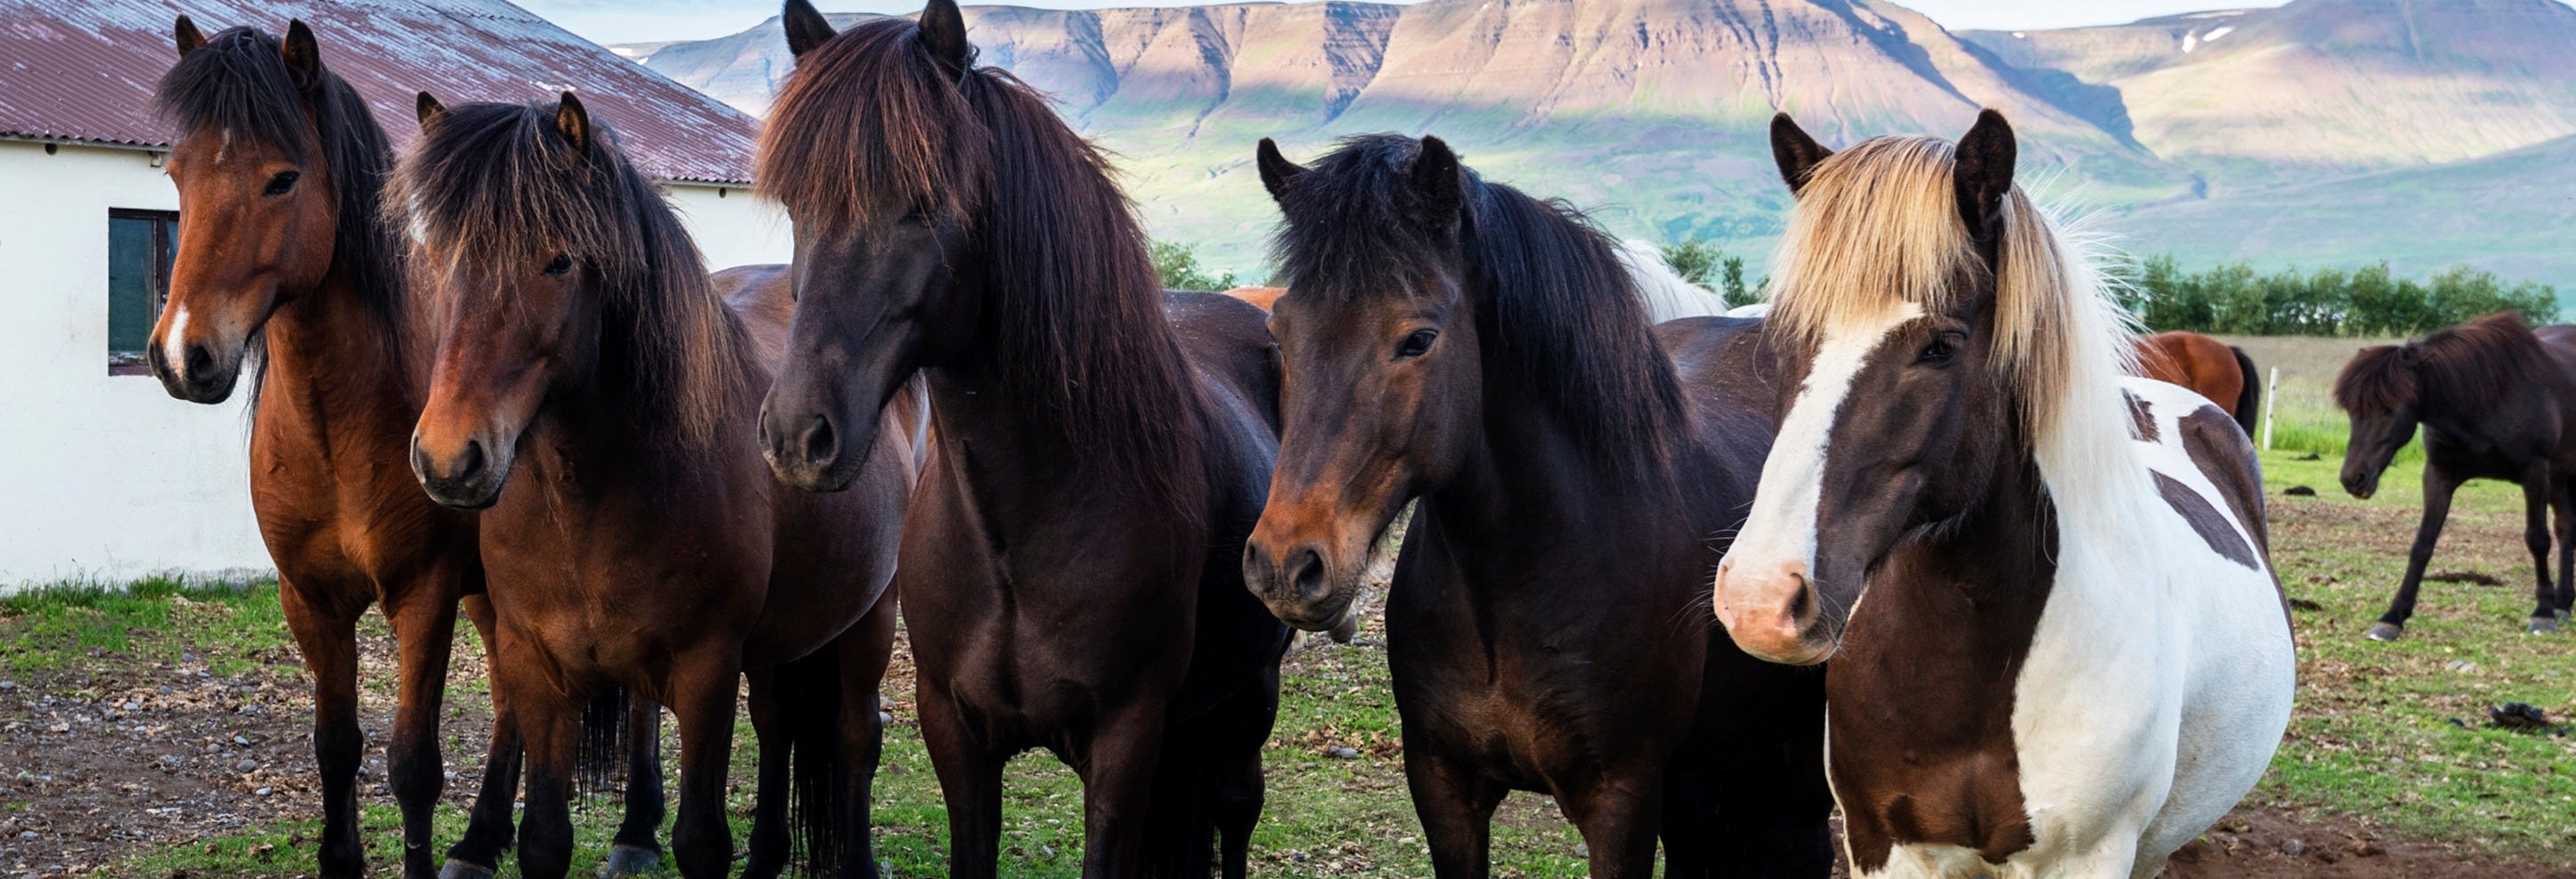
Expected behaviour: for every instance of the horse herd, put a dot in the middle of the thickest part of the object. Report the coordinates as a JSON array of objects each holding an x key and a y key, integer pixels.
[{"x": 494, "y": 375}]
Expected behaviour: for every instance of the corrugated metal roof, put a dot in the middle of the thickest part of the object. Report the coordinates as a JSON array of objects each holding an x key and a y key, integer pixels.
[{"x": 84, "y": 72}]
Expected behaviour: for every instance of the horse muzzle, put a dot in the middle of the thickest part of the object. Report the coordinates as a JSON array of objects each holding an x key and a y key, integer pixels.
[
  {"x": 467, "y": 476},
  {"x": 1772, "y": 612},
  {"x": 199, "y": 375}
]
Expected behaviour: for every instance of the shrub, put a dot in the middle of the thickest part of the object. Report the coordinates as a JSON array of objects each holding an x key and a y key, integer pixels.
[
  {"x": 1178, "y": 266},
  {"x": 2232, "y": 299}
]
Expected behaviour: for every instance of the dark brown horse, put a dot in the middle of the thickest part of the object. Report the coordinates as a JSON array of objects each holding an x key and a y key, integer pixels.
[
  {"x": 2497, "y": 401},
  {"x": 583, "y": 356},
  {"x": 285, "y": 262},
  {"x": 1069, "y": 573},
  {"x": 2209, "y": 367},
  {"x": 1453, "y": 340}
]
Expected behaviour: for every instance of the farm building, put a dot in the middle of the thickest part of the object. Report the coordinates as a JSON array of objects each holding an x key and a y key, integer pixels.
[{"x": 103, "y": 476}]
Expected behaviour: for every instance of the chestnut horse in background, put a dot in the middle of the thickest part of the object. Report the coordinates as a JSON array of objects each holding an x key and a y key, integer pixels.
[
  {"x": 1069, "y": 574},
  {"x": 2210, "y": 368},
  {"x": 1455, "y": 341},
  {"x": 285, "y": 262},
  {"x": 2497, "y": 401},
  {"x": 1264, "y": 298},
  {"x": 581, "y": 347}
]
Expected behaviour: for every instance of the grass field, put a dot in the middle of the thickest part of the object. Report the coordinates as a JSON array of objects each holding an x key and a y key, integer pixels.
[{"x": 2373, "y": 744}]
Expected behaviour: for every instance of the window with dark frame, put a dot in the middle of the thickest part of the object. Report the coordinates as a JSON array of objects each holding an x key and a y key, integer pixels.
[{"x": 141, "y": 246}]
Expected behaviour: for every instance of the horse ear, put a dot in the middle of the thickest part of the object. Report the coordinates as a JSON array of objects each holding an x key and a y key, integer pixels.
[
  {"x": 1797, "y": 153},
  {"x": 1436, "y": 179},
  {"x": 1276, "y": 170},
  {"x": 943, "y": 29},
  {"x": 189, "y": 39},
  {"x": 428, "y": 107},
  {"x": 573, "y": 122},
  {"x": 1984, "y": 173},
  {"x": 806, "y": 28},
  {"x": 303, "y": 56}
]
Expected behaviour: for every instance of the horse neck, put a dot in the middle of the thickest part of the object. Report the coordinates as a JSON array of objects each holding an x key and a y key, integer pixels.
[
  {"x": 333, "y": 354},
  {"x": 1972, "y": 594}
]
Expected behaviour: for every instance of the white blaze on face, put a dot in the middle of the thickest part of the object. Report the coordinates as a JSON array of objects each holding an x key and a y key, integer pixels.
[
  {"x": 1780, "y": 535},
  {"x": 174, "y": 347}
]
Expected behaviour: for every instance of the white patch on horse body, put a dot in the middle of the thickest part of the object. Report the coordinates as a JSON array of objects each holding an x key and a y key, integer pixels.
[
  {"x": 1665, "y": 294},
  {"x": 1782, "y": 527},
  {"x": 174, "y": 347}
]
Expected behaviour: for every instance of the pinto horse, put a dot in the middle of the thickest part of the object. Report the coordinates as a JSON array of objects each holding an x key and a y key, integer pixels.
[
  {"x": 2497, "y": 401},
  {"x": 581, "y": 348},
  {"x": 2209, "y": 367},
  {"x": 2058, "y": 648},
  {"x": 1069, "y": 574},
  {"x": 1455, "y": 341},
  {"x": 286, "y": 262}
]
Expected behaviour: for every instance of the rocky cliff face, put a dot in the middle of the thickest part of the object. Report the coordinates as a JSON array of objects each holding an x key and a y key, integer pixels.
[{"x": 1652, "y": 112}]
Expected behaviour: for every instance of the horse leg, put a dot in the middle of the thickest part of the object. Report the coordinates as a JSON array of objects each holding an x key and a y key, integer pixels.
[
  {"x": 1235, "y": 783},
  {"x": 2536, "y": 495},
  {"x": 702, "y": 690},
  {"x": 1117, "y": 769},
  {"x": 769, "y": 842},
  {"x": 2565, "y": 501},
  {"x": 635, "y": 850},
  {"x": 330, "y": 647},
  {"x": 1618, "y": 822},
  {"x": 1690, "y": 814},
  {"x": 970, "y": 780},
  {"x": 488, "y": 831},
  {"x": 423, "y": 617},
  {"x": 865, "y": 652},
  {"x": 550, "y": 727},
  {"x": 2438, "y": 486},
  {"x": 1456, "y": 806}
]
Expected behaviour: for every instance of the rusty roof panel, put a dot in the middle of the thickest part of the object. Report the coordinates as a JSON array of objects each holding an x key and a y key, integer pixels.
[{"x": 84, "y": 72}]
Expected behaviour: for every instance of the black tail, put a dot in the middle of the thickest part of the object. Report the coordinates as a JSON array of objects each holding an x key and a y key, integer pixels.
[
  {"x": 809, "y": 708},
  {"x": 2249, "y": 401},
  {"x": 599, "y": 765}
]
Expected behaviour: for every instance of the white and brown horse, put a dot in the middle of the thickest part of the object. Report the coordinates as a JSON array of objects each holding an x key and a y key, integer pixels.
[{"x": 2058, "y": 648}]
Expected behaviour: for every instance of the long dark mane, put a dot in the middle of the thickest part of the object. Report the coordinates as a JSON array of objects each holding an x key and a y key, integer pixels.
[
  {"x": 870, "y": 129},
  {"x": 2463, "y": 368},
  {"x": 496, "y": 184},
  {"x": 238, "y": 84},
  {"x": 1554, "y": 303}
]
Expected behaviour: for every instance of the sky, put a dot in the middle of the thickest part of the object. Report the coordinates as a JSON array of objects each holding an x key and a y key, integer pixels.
[{"x": 632, "y": 21}]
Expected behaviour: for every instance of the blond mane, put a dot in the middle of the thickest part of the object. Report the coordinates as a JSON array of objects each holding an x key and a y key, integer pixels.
[{"x": 1877, "y": 226}]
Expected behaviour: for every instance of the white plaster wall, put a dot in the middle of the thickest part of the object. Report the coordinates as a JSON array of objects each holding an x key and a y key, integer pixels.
[
  {"x": 734, "y": 226},
  {"x": 102, "y": 478}
]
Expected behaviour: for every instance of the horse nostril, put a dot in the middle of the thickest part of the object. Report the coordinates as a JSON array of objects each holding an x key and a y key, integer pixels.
[
  {"x": 822, "y": 445},
  {"x": 469, "y": 464},
  {"x": 200, "y": 363},
  {"x": 1306, "y": 572},
  {"x": 1802, "y": 604}
]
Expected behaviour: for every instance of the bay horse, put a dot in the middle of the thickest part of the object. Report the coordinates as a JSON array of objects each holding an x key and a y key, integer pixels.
[
  {"x": 1455, "y": 342},
  {"x": 286, "y": 265},
  {"x": 2497, "y": 400},
  {"x": 2058, "y": 646},
  {"x": 1069, "y": 574},
  {"x": 583, "y": 357},
  {"x": 2211, "y": 368}
]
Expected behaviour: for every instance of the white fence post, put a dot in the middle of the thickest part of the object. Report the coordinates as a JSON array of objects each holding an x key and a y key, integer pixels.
[{"x": 2271, "y": 399}]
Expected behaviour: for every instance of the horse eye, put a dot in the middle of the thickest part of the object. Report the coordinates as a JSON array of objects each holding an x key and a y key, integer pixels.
[
  {"x": 562, "y": 263},
  {"x": 281, "y": 184},
  {"x": 1417, "y": 344},
  {"x": 1938, "y": 352}
]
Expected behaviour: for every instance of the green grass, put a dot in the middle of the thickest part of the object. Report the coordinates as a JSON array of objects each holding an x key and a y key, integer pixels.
[{"x": 2372, "y": 737}]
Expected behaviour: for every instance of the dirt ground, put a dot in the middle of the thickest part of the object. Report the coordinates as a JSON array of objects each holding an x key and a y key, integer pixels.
[{"x": 100, "y": 763}]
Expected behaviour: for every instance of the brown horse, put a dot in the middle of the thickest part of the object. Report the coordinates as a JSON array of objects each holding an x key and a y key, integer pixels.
[
  {"x": 283, "y": 252},
  {"x": 1264, "y": 298},
  {"x": 581, "y": 348},
  {"x": 2497, "y": 401},
  {"x": 2211, "y": 368},
  {"x": 1459, "y": 342},
  {"x": 1069, "y": 576}
]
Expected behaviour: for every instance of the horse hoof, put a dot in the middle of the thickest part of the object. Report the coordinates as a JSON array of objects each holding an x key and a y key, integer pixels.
[
  {"x": 2547, "y": 625},
  {"x": 2385, "y": 631},
  {"x": 628, "y": 860},
  {"x": 455, "y": 869}
]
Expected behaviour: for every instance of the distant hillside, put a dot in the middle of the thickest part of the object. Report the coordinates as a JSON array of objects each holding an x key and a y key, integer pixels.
[{"x": 1651, "y": 112}]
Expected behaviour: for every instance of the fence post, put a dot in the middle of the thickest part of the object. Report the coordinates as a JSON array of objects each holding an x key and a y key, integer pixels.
[{"x": 2271, "y": 398}]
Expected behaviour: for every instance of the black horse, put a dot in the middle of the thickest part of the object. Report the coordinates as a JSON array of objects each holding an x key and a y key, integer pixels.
[
  {"x": 1458, "y": 342},
  {"x": 2497, "y": 401}
]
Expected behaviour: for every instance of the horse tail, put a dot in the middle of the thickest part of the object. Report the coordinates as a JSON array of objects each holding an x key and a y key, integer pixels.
[
  {"x": 2248, "y": 401},
  {"x": 604, "y": 729},
  {"x": 809, "y": 709}
]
